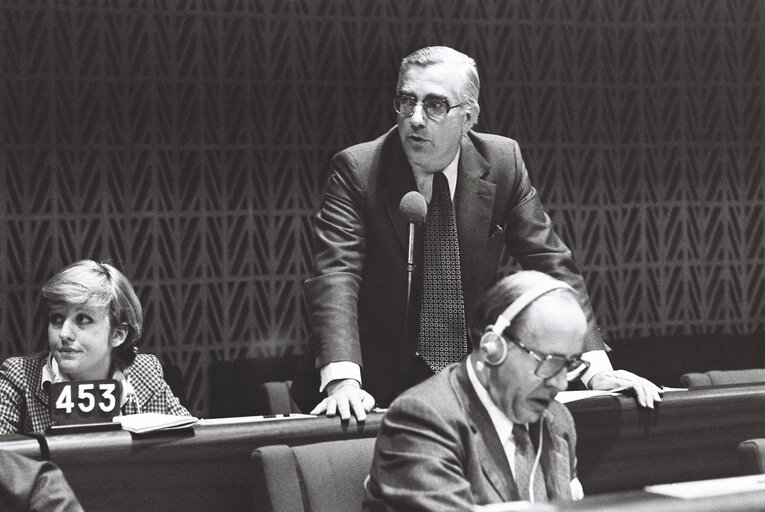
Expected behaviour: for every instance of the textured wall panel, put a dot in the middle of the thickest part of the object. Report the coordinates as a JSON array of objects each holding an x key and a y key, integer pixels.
[{"x": 188, "y": 141}]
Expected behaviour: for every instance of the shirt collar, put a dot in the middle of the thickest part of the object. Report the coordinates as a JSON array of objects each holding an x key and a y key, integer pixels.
[
  {"x": 502, "y": 423},
  {"x": 52, "y": 374},
  {"x": 424, "y": 180}
]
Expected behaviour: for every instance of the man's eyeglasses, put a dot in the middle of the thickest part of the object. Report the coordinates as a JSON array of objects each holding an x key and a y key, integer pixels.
[
  {"x": 550, "y": 365},
  {"x": 435, "y": 108}
]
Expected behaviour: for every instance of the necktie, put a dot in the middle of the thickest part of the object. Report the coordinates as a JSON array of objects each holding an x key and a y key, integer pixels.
[
  {"x": 524, "y": 460},
  {"x": 442, "y": 334}
]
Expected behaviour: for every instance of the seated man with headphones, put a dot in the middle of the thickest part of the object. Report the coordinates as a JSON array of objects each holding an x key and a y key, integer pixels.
[{"x": 488, "y": 429}]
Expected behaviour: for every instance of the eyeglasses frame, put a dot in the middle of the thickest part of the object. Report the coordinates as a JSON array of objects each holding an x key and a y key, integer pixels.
[
  {"x": 541, "y": 360},
  {"x": 444, "y": 101}
]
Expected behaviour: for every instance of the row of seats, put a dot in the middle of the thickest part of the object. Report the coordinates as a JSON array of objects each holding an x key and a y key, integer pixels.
[{"x": 329, "y": 476}]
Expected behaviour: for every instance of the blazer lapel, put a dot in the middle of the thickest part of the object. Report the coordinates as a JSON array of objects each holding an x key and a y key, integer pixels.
[
  {"x": 494, "y": 463},
  {"x": 554, "y": 462},
  {"x": 473, "y": 203},
  {"x": 42, "y": 395},
  {"x": 143, "y": 384},
  {"x": 397, "y": 180}
]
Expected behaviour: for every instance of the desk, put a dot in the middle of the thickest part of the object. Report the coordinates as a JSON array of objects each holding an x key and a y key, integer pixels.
[
  {"x": 641, "y": 501},
  {"x": 204, "y": 468},
  {"x": 691, "y": 435},
  {"x": 24, "y": 445}
]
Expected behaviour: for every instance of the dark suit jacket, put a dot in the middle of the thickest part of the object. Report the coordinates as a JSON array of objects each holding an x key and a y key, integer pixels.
[
  {"x": 28, "y": 485},
  {"x": 357, "y": 299},
  {"x": 24, "y": 404},
  {"x": 437, "y": 449}
]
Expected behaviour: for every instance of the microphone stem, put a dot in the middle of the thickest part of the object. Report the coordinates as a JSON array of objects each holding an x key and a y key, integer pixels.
[{"x": 410, "y": 265}]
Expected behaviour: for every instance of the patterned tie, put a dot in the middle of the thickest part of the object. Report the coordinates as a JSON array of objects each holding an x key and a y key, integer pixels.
[
  {"x": 524, "y": 460},
  {"x": 442, "y": 335}
]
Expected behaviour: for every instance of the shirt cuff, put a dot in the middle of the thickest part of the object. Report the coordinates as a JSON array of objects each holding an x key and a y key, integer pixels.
[
  {"x": 339, "y": 370},
  {"x": 599, "y": 362}
]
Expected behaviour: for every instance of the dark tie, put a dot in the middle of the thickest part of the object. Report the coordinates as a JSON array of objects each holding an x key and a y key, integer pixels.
[
  {"x": 524, "y": 460},
  {"x": 442, "y": 336}
]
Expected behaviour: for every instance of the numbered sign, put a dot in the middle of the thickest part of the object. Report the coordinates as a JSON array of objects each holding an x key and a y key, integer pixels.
[{"x": 84, "y": 402}]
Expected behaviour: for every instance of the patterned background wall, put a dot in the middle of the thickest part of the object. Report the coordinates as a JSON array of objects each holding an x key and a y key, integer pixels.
[{"x": 187, "y": 141}]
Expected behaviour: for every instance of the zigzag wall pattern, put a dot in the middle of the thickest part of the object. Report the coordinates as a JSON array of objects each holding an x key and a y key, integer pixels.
[{"x": 188, "y": 141}]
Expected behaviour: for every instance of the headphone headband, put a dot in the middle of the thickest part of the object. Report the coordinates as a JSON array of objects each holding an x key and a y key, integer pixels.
[{"x": 506, "y": 317}]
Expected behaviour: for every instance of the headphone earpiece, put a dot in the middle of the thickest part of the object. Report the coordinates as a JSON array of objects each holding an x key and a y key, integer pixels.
[{"x": 493, "y": 348}]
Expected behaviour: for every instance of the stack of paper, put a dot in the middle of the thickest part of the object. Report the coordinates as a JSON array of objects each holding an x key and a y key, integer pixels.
[{"x": 149, "y": 422}]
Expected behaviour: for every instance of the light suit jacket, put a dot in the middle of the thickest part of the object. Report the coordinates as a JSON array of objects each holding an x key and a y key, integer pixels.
[
  {"x": 358, "y": 297},
  {"x": 437, "y": 449}
]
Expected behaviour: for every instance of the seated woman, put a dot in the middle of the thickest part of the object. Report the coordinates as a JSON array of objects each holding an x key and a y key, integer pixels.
[{"x": 94, "y": 323}]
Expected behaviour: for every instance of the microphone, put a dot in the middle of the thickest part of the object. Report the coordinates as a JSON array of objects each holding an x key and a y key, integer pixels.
[{"x": 414, "y": 208}]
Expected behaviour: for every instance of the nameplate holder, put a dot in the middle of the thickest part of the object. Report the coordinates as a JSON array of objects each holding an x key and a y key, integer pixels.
[{"x": 83, "y": 406}]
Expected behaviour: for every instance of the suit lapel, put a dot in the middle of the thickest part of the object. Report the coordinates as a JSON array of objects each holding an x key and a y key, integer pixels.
[
  {"x": 397, "y": 180},
  {"x": 143, "y": 382},
  {"x": 494, "y": 463},
  {"x": 554, "y": 462},
  {"x": 473, "y": 203},
  {"x": 473, "y": 197},
  {"x": 42, "y": 395}
]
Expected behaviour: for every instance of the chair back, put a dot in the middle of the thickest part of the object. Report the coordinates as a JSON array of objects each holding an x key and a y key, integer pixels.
[
  {"x": 751, "y": 454},
  {"x": 319, "y": 477},
  {"x": 275, "y": 397},
  {"x": 722, "y": 377}
]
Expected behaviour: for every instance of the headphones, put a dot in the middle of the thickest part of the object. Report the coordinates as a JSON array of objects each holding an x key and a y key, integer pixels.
[{"x": 493, "y": 345}]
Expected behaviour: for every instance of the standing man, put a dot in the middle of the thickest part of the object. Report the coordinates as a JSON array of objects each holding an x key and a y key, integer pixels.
[
  {"x": 488, "y": 429},
  {"x": 373, "y": 334}
]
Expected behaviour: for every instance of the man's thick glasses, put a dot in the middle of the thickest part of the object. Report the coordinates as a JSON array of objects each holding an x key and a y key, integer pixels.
[
  {"x": 435, "y": 108},
  {"x": 550, "y": 365}
]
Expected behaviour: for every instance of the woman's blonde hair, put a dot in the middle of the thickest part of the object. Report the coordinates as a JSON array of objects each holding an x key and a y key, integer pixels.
[{"x": 91, "y": 284}]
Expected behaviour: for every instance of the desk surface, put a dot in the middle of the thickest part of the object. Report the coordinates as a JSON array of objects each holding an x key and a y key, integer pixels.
[
  {"x": 203, "y": 468},
  {"x": 690, "y": 436},
  {"x": 25, "y": 445},
  {"x": 641, "y": 501}
]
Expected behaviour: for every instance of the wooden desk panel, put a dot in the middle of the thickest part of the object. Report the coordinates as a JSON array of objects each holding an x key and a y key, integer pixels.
[
  {"x": 691, "y": 435},
  {"x": 641, "y": 501},
  {"x": 205, "y": 468},
  {"x": 25, "y": 445}
]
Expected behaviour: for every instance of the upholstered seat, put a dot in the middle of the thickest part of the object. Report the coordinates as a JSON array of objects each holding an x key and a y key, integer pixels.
[
  {"x": 319, "y": 477},
  {"x": 722, "y": 377},
  {"x": 275, "y": 397},
  {"x": 751, "y": 454}
]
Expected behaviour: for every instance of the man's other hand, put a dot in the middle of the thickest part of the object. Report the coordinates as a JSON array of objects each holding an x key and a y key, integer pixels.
[
  {"x": 344, "y": 396},
  {"x": 646, "y": 392}
]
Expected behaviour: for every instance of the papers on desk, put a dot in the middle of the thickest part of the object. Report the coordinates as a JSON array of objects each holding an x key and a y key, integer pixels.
[
  {"x": 515, "y": 506},
  {"x": 254, "y": 419},
  {"x": 710, "y": 488},
  {"x": 565, "y": 397},
  {"x": 152, "y": 421}
]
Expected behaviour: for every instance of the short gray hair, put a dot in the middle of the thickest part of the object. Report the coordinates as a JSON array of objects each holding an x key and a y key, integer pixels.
[{"x": 470, "y": 86}]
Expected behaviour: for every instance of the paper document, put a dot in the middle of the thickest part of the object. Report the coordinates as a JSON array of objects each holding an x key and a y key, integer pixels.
[
  {"x": 152, "y": 421},
  {"x": 254, "y": 419},
  {"x": 710, "y": 488},
  {"x": 565, "y": 397}
]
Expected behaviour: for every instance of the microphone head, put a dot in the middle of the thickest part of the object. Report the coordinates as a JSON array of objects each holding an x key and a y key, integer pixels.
[{"x": 413, "y": 207}]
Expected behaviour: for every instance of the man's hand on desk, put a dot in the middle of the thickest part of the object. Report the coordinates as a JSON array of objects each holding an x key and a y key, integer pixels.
[
  {"x": 344, "y": 396},
  {"x": 646, "y": 392}
]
